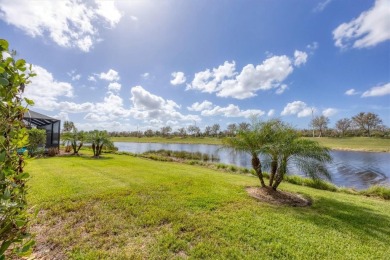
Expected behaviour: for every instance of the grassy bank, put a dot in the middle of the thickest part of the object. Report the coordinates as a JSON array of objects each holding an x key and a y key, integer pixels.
[
  {"x": 371, "y": 144},
  {"x": 170, "y": 140},
  {"x": 123, "y": 207}
]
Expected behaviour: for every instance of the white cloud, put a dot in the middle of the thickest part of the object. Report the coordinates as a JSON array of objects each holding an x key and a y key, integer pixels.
[
  {"x": 232, "y": 111},
  {"x": 329, "y": 112},
  {"x": 321, "y": 6},
  {"x": 271, "y": 112},
  {"x": 208, "y": 81},
  {"x": 148, "y": 106},
  {"x": 378, "y": 91},
  {"x": 134, "y": 18},
  {"x": 44, "y": 89},
  {"x": 351, "y": 92},
  {"x": 226, "y": 82},
  {"x": 110, "y": 75},
  {"x": 91, "y": 78},
  {"x": 108, "y": 11},
  {"x": 312, "y": 46},
  {"x": 298, "y": 108},
  {"x": 281, "y": 89},
  {"x": 178, "y": 78},
  {"x": 369, "y": 29},
  {"x": 63, "y": 116},
  {"x": 114, "y": 86},
  {"x": 72, "y": 107},
  {"x": 200, "y": 106},
  {"x": 69, "y": 23},
  {"x": 72, "y": 74},
  {"x": 300, "y": 58},
  {"x": 146, "y": 75}
]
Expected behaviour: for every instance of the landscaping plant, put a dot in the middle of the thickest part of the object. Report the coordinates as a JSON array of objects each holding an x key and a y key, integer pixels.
[{"x": 14, "y": 75}]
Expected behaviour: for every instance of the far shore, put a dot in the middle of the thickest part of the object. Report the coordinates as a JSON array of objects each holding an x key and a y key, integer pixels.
[{"x": 354, "y": 144}]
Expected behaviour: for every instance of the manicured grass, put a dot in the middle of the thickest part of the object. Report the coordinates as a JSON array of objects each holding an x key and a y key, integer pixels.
[
  {"x": 123, "y": 207},
  {"x": 371, "y": 144},
  {"x": 170, "y": 140}
]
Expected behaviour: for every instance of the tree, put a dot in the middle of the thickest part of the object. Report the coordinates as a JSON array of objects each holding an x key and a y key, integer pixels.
[
  {"x": 285, "y": 148},
  {"x": 182, "y": 132},
  {"x": 166, "y": 130},
  {"x": 320, "y": 123},
  {"x": 36, "y": 138},
  {"x": 367, "y": 121},
  {"x": 193, "y": 129},
  {"x": 207, "y": 131},
  {"x": 149, "y": 133},
  {"x": 251, "y": 141},
  {"x": 231, "y": 129},
  {"x": 281, "y": 146},
  {"x": 67, "y": 127},
  {"x": 75, "y": 138},
  {"x": 343, "y": 125},
  {"x": 14, "y": 235},
  {"x": 215, "y": 129},
  {"x": 244, "y": 126},
  {"x": 99, "y": 139}
]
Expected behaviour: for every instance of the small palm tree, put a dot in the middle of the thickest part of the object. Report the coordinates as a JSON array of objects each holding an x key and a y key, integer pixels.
[
  {"x": 99, "y": 139},
  {"x": 75, "y": 138},
  {"x": 251, "y": 141},
  {"x": 286, "y": 149}
]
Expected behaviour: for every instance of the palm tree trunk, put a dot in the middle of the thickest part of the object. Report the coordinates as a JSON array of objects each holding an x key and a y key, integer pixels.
[
  {"x": 257, "y": 167},
  {"x": 274, "y": 166}
]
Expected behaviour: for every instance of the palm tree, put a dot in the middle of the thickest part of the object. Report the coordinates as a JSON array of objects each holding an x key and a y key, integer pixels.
[
  {"x": 251, "y": 141},
  {"x": 286, "y": 149},
  {"x": 75, "y": 138},
  {"x": 98, "y": 140}
]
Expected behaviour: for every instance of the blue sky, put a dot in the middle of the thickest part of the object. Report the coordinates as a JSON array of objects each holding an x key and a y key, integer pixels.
[{"x": 123, "y": 65}]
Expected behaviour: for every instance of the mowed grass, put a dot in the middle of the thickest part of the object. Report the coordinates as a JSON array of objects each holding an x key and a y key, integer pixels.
[
  {"x": 122, "y": 207},
  {"x": 170, "y": 140},
  {"x": 370, "y": 144}
]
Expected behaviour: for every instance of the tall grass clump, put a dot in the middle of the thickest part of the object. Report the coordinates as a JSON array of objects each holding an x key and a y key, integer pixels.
[{"x": 377, "y": 191}]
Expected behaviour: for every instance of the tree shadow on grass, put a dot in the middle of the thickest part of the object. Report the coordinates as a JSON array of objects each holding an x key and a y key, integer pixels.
[{"x": 345, "y": 217}]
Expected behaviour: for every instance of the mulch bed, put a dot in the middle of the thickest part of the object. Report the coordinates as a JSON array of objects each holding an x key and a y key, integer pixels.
[{"x": 277, "y": 197}]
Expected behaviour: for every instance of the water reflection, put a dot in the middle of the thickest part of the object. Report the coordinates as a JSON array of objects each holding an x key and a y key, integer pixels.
[{"x": 351, "y": 169}]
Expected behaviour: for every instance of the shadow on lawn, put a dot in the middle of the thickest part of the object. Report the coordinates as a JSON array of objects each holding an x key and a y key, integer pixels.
[{"x": 345, "y": 217}]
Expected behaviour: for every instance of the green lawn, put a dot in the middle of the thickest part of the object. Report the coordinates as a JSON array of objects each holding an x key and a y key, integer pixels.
[
  {"x": 123, "y": 207},
  {"x": 171, "y": 140},
  {"x": 371, "y": 144}
]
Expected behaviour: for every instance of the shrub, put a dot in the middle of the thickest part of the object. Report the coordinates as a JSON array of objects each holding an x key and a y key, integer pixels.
[{"x": 52, "y": 151}]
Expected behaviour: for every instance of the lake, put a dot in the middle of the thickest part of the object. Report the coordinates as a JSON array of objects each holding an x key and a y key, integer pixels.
[{"x": 349, "y": 169}]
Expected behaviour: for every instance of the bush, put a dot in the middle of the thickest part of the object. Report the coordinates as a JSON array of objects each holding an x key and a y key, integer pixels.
[
  {"x": 36, "y": 140},
  {"x": 52, "y": 151}
]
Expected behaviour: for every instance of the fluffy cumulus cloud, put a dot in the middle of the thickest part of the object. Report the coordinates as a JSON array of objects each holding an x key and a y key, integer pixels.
[
  {"x": 231, "y": 111},
  {"x": 45, "y": 90},
  {"x": 225, "y": 81},
  {"x": 69, "y": 23},
  {"x": 114, "y": 86},
  {"x": 351, "y": 92},
  {"x": 378, "y": 91},
  {"x": 178, "y": 78},
  {"x": 147, "y": 106},
  {"x": 299, "y": 108},
  {"x": 200, "y": 106},
  {"x": 110, "y": 75},
  {"x": 300, "y": 57},
  {"x": 329, "y": 112},
  {"x": 369, "y": 29}
]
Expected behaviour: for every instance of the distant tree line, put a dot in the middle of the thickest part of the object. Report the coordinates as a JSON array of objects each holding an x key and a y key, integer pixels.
[{"x": 362, "y": 124}]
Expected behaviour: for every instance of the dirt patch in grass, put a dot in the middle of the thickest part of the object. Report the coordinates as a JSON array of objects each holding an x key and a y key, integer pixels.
[{"x": 277, "y": 197}]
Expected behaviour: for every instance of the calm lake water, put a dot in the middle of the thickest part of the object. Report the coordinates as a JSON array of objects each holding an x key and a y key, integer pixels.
[{"x": 350, "y": 169}]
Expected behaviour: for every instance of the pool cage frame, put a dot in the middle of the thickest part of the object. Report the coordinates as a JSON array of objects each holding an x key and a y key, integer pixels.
[{"x": 51, "y": 125}]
